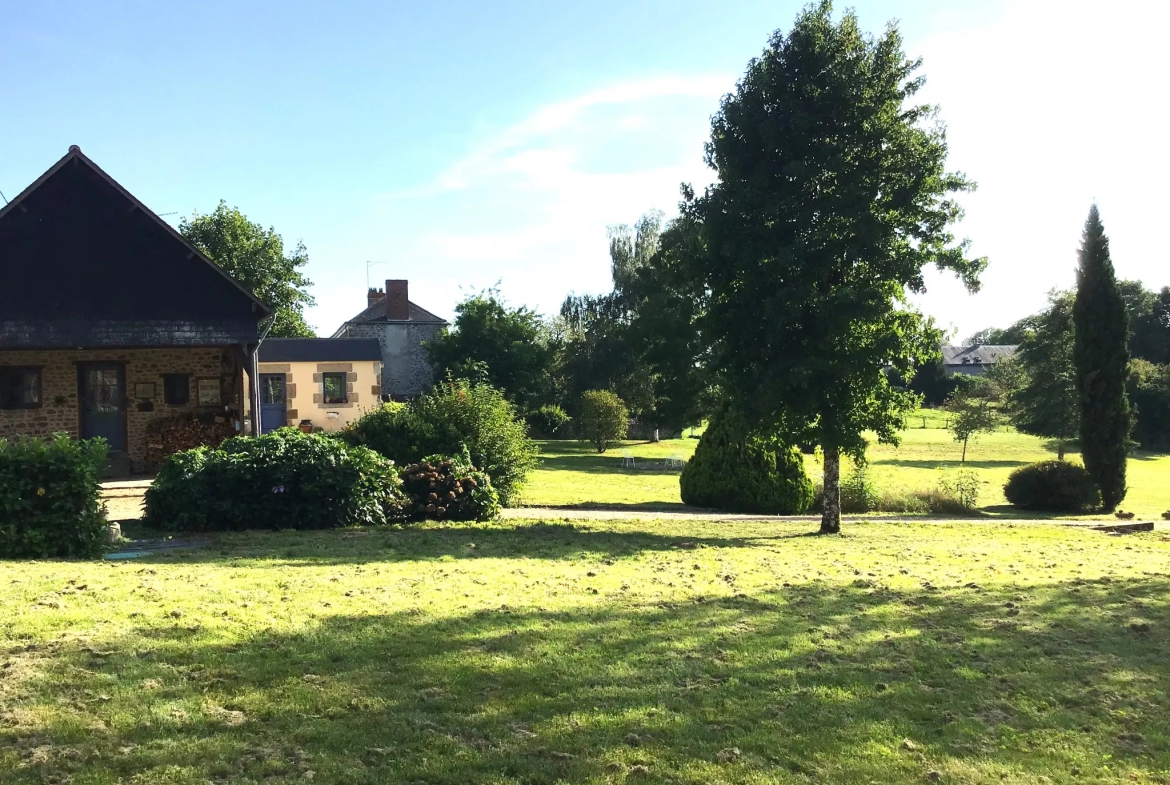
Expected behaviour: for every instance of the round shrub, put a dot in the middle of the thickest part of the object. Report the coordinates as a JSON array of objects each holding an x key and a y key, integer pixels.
[
  {"x": 744, "y": 472},
  {"x": 548, "y": 422},
  {"x": 602, "y": 418},
  {"x": 448, "y": 489},
  {"x": 282, "y": 480},
  {"x": 1052, "y": 486},
  {"x": 455, "y": 416},
  {"x": 50, "y": 504}
]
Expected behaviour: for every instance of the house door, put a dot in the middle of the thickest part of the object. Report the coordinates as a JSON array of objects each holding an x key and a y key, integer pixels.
[
  {"x": 273, "y": 413},
  {"x": 102, "y": 388}
]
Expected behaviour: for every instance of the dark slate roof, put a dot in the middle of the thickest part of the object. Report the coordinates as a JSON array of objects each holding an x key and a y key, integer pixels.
[
  {"x": 77, "y": 248},
  {"x": 977, "y": 355},
  {"x": 377, "y": 313},
  {"x": 319, "y": 350}
]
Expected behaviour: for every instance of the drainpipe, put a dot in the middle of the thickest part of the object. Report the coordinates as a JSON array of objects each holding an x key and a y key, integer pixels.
[{"x": 254, "y": 376}]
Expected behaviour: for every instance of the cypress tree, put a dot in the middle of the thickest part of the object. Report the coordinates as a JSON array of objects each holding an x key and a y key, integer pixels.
[{"x": 1101, "y": 356}]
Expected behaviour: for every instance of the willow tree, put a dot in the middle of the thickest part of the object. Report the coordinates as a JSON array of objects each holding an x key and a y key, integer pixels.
[{"x": 831, "y": 198}]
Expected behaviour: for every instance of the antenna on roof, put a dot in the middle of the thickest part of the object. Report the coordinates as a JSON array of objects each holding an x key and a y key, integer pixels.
[
  {"x": 5, "y": 198},
  {"x": 368, "y": 266}
]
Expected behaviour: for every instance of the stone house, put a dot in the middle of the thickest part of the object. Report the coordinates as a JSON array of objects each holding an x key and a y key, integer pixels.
[
  {"x": 325, "y": 382},
  {"x": 401, "y": 328},
  {"x": 110, "y": 320},
  {"x": 974, "y": 360}
]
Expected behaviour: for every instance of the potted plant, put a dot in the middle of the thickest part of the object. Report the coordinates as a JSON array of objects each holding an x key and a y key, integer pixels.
[{"x": 306, "y": 426}]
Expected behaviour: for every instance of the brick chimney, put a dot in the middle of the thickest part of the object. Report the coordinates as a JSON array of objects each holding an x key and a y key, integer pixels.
[
  {"x": 374, "y": 296},
  {"x": 397, "y": 304}
]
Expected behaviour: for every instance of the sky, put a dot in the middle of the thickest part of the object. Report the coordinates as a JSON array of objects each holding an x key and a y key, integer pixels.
[{"x": 464, "y": 145}]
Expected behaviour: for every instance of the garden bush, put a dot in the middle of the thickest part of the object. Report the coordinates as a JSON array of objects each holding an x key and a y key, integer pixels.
[
  {"x": 548, "y": 422},
  {"x": 602, "y": 418},
  {"x": 441, "y": 488},
  {"x": 739, "y": 471},
  {"x": 282, "y": 480},
  {"x": 454, "y": 416},
  {"x": 49, "y": 498},
  {"x": 1052, "y": 486}
]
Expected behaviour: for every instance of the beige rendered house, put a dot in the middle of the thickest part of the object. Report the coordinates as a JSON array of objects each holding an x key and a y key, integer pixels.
[{"x": 322, "y": 382}]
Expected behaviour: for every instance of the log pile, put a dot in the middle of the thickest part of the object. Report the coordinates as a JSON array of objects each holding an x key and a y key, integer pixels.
[{"x": 174, "y": 434}]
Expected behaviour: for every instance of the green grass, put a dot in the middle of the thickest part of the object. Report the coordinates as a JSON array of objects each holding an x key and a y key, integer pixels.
[
  {"x": 657, "y": 652},
  {"x": 575, "y": 474}
]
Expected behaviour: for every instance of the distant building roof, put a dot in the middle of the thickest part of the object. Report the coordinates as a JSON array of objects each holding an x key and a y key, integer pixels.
[
  {"x": 377, "y": 313},
  {"x": 319, "y": 350},
  {"x": 976, "y": 355}
]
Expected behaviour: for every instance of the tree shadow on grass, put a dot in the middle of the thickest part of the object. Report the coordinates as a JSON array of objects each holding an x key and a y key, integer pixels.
[
  {"x": 538, "y": 540},
  {"x": 805, "y": 683},
  {"x": 913, "y": 463}
]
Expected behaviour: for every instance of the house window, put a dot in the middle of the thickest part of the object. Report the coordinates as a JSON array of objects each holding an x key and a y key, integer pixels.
[
  {"x": 176, "y": 389},
  {"x": 20, "y": 388},
  {"x": 334, "y": 384}
]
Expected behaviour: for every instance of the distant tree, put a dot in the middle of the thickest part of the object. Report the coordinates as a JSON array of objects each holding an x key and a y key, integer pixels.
[
  {"x": 603, "y": 418},
  {"x": 995, "y": 336},
  {"x": 1045, "y": 404},
  {"x": 1149, "y": 390},
  {"x": 256, "y": 257},
  {"x": 931, "y": 381},
  {"x": 508, "y": 348},
  {"x": 971, "y": 413},
  {"x": 1101, "y": 356},
  {"x": 832, "y": 196},
  {"x": 1150, "y": 328}
]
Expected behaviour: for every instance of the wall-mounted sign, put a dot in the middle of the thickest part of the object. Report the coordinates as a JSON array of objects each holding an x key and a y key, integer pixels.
[
  {"x": 144, "y": 391},
  {"x": 209, "y": 392}
]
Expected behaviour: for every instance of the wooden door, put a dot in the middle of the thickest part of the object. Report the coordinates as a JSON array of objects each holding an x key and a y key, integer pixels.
[
  {"x": 102, "y": 394},
  {"x": 273, "y": 409}
]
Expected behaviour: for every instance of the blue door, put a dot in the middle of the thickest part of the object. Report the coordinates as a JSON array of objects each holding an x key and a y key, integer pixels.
[
  {"x": 102, "y": 388},
  {"x": 273, "y": 413}
]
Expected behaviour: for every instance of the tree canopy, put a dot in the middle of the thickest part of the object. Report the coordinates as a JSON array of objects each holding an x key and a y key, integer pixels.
[
  {"x": 256, "y": 257},
  {"x": 832, "y": 196},
  {"x": 509, "y": 348}
]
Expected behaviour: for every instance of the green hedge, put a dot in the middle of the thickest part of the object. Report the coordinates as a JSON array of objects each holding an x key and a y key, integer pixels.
[
  {"x": 49, "y": 498},
  {"x": 738, "y": 471},
  {"x": 1052, "y": 486},
  {"x": 454, "y": 417},
  {"x": 449, "y": 489},
  {"x": 282, "y": 480}
]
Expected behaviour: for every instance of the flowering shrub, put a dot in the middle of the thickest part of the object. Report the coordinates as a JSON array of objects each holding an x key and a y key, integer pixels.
[{"x": 442, "y": 488}]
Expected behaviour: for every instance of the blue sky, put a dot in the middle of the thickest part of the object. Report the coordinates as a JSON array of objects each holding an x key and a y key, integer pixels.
[{"x": 469, "y": 143}]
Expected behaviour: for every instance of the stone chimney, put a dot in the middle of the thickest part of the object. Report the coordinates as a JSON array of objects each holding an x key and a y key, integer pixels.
[
  {"x": 397, "y": 304},
  {"x": 374, "y": 296}
]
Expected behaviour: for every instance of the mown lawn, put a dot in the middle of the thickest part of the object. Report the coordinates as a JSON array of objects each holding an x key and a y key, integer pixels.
[
  {"x": 573, "y": 473},
  {"x": 601, "y": 653}
]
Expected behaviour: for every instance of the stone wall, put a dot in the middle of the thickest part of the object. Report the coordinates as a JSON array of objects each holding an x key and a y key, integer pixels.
[
  {"x": 58, "y": 410},
  {"x": 406, "y": 372}
]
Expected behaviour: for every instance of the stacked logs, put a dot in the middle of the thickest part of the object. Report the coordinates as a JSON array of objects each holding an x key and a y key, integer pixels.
[{"x": 184, "y": 432}]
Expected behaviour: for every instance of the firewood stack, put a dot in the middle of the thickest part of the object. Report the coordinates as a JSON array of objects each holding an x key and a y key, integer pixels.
[{"x": 175, "y": 434}]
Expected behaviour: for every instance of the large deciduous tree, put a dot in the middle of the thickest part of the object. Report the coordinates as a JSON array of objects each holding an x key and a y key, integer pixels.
[
  {"x": 832, "y": 196},
  {"x": 1101, "y": 355},
  {"x": 256, "y": 257},
  {"x": 509, "y": 348},
  {"x": 1045, "y": 404}
]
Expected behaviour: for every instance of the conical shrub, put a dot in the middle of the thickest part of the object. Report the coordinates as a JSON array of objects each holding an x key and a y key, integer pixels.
[{"x": 739, "y": 471}]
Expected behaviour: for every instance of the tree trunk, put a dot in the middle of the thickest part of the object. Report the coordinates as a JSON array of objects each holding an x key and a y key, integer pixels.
[
  {"x": 831, "y": 515},
  {"x": 964, "y": 458},
  {"x": 1060, "y": 449},
  {"x": 655, "y": 439}
]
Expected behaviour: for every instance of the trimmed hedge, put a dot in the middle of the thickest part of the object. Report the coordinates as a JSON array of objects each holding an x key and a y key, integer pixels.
[
  {"x": 743, "y": 472},
  {"x": 1052, "y": 486},
  {"x": 282, "y": 480},
  {"x": 454, "y": 417},
  {"x": 449, "y": 489},
  {"x": 50, "y": 505}
]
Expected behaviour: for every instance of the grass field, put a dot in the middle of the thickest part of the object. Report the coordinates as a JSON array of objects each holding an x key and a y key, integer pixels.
[
  {"x": 575, "y": 474},
  {"x": 600, "y": 653}
]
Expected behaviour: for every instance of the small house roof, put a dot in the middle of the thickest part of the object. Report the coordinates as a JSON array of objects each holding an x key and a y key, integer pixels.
[
  {"x": 320, "y": 350},
  {"x": 980, "y": 354},
  {"x": 377, "y": 313}
]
